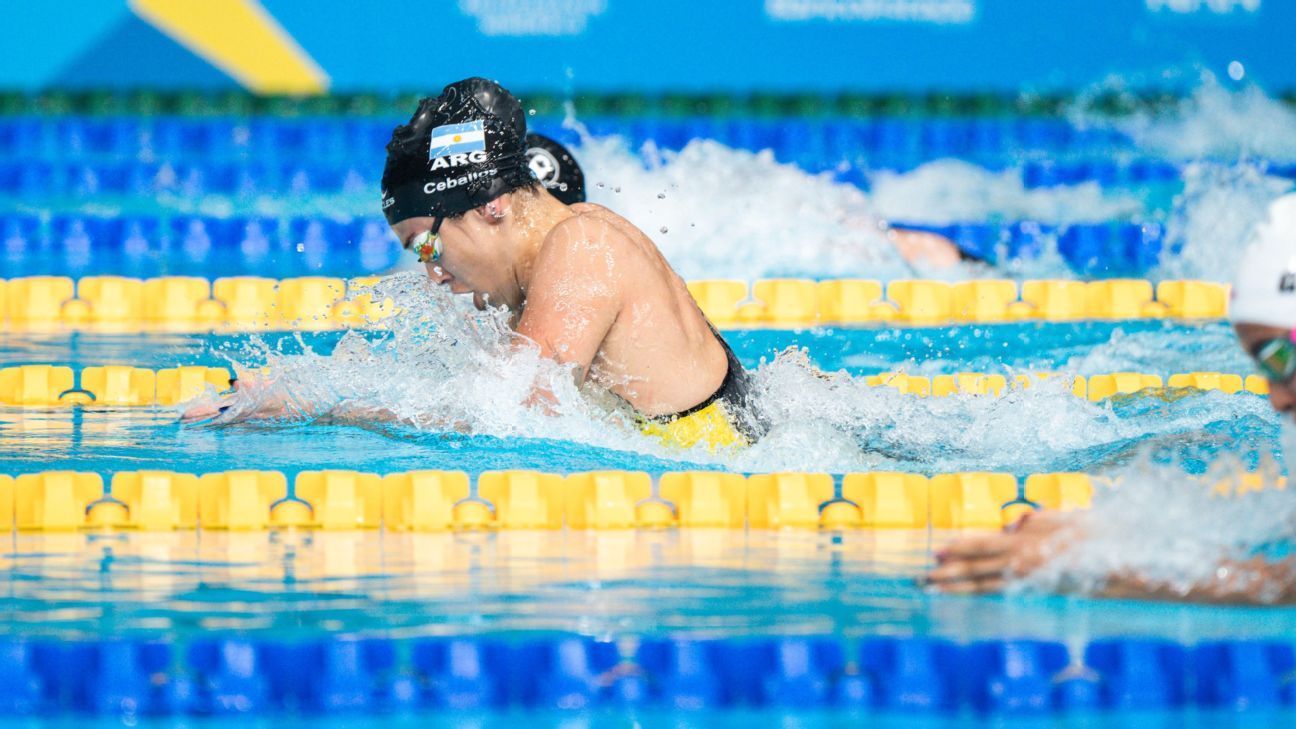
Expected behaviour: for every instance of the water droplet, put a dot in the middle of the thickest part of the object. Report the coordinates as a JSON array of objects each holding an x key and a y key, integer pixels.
[
  {"x": 664, "y": 229},
  {"x": 1236, "y": 70}
]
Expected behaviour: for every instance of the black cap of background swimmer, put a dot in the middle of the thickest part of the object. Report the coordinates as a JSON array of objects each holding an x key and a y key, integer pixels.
[
  {"x": 480, "y": 153},
  {"x": 555, "y": 168}
]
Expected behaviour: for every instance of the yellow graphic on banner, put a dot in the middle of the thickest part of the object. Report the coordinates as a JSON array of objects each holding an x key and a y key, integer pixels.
[{"x": 240, "y": 38}]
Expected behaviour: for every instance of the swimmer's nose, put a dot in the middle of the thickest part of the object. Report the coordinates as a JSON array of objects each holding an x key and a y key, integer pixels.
[
  {"x": 1281, "y": 397},
  {"x": 438, "y": 274}
]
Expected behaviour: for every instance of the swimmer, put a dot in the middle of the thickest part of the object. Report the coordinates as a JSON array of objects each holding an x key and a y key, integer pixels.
[
  {"x": 1263, "y": 312},
  {"x": 556, "y": 169},
  {"x": 581, "y": 283},
  {"x": 924, "y": 248}
]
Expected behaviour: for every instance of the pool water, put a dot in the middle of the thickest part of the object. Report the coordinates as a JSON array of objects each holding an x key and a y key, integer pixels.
[
  {"x": 718, "y": 211},
  {"x": 704, "y": 583},
  {"x": 880, "y": 430}
]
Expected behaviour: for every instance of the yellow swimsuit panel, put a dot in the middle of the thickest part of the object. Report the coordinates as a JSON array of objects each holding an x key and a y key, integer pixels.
[{"x": 710, "y": 426}]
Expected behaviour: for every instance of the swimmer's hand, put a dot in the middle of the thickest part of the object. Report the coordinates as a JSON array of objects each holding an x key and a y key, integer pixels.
[
  {"x": 923, "y": 248},
  {"x": 205, "y": 412},
  {"x": 202, "y": 413},
  {"x": 984, "y": 563},
  {"x": 250, "y": 399}
]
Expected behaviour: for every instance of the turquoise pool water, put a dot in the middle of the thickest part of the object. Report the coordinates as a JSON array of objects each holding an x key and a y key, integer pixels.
[
  {"x": 605, "y": 583},
  {"x": 457, "y": 397},
  {"x": 1040, "y": 430}
]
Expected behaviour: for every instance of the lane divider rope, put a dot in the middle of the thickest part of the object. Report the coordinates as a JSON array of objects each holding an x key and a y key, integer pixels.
[
  {"x": 46, "y": 386},
  {"x": 184, "y": 303},
  {"x": 439, "y": 500}
]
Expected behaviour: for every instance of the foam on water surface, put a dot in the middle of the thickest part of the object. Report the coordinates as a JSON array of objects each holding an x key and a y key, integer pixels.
[
  {"x": 1227, "y": 122},
  {"x": 445, "y": 368},
  {"x": 718, "y": 212}
]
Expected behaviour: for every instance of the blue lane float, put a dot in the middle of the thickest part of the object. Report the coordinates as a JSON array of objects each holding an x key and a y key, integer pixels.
[
  {"x": 36, "y": 179},
  {"x": 85, "y": 156},
  {"x": 144, "y": 245},
  {"x": 251, "y": 676},
  {"x": 270, "y": 138}
]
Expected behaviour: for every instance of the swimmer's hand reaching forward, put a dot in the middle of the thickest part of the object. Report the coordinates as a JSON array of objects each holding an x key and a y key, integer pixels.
[
  {"x": 249, "y": 399},
  {"x": 252, "y": 398},
  {"x": 984, "y": 564}
]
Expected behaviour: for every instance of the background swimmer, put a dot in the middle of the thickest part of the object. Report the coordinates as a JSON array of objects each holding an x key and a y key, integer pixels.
[{"x": 1263, "y": 311}]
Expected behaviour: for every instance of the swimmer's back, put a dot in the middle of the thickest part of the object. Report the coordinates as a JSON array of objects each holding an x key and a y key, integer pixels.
[{"x": 659, "y": 328}]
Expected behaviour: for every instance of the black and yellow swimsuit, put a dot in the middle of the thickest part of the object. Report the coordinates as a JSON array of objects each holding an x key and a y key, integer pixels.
[{"x": 727, "y": 418}]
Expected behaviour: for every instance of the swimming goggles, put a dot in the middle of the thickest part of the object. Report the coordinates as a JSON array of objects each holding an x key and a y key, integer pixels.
[
  {"x": 1276, "y": 358},
  {"x": 427, "y": 244}
]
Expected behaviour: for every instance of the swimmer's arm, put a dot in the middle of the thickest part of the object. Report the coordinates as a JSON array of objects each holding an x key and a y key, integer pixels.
[
  {"x": 365, "y": 416},
  {"x": 983, "y": 564},
  {"x": 1256, "y": 581},
  {"x": 924, "y": 248},
  {"x": 235, "y": 408},
  {"x": 575, "y": 295},
  {"x": 249, "y": 401}
]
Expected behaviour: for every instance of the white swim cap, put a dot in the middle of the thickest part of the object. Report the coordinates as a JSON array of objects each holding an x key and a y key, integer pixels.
[{"x": 1264, "y": 291}]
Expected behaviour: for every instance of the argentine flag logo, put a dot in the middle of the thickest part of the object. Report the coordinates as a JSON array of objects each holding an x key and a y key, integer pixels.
[{"x": 457, "y": 139}]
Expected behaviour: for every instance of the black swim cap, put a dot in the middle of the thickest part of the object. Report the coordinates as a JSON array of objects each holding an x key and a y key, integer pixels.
[
  {"x": 459, "y": 151},
  {"x": 555, "y": 168}
]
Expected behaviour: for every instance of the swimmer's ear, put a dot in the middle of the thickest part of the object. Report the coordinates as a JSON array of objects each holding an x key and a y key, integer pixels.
[{"x": 497, "y": 209}]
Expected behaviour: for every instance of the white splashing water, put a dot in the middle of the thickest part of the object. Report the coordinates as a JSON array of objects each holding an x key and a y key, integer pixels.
[
  {"x": 446, "y": 367},
  {"x": 1211, "y": 349},
  {"x": 1174, "y": 531},
  {"x": 717, "y": 212},
  {"x": 729, "y": 213},
  {"x": 1213, "y": 218},
  {"x": 1216, "y": 122},
  {"x": 950, "y": 191}
]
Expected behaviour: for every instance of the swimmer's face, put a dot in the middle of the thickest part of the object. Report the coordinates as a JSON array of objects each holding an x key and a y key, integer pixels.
[
  {"x": 1282, "y": 395},
  {"x": 466, "y": 264}
]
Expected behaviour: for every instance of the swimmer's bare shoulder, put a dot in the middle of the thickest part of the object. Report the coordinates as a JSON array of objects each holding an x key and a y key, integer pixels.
[
  {"x": 595, "y": 241},
  {"x": 598, "y": 212},
  {"x": 579, "y": 284}
]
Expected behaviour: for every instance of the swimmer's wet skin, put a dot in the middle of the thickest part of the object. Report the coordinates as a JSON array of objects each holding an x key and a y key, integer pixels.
[
  {"x": 583, "y": 284},
  {"x": 1263, "y": 311},
  {"x": 727, "y": 418}
]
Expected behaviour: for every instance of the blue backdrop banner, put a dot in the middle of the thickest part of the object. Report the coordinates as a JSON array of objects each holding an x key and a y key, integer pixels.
[{"x": 642, "y": 46}]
